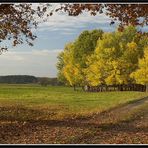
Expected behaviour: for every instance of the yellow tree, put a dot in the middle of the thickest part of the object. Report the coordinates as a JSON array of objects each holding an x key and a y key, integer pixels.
[
  {"x": 95, "y": 71},
  {"x": 74, "y": 56},
  {"x": 120, "y": 52},
  {"x": 72, "y": 73},
  {"x": 141, "y": 74},
  {"x": 110, "y": 52},
  {"x": 116, "y": 73},
  {"x": 68, "y": 68}
]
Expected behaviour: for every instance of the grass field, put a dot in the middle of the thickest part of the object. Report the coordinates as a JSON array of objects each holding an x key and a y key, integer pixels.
[
  {"x": 31, "y": 114},
  {"x": 33, "y": 102}
]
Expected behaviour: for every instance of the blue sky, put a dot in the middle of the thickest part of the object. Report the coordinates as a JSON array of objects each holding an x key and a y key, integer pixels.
[{"x": 40, "y": 60}]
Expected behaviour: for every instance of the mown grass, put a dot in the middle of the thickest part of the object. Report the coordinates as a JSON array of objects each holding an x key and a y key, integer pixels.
[{"x": 33, "y": 102}]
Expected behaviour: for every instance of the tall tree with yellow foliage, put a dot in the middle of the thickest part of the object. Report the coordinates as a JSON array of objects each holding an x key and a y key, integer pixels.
[
  {"x": 115, "y": 57},
  {"x": 72, "y": 61},
  {"x": 141, "y": 74}
]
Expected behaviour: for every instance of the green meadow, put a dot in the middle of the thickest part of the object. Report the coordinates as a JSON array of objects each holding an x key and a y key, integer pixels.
[{"x": 35, "y": 102}]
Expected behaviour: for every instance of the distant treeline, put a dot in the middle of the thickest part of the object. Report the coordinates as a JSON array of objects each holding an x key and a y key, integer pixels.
[
  {"x": 44, "y": 81},
  {"x": 18, "y": 79},
  {"x": 26, "y": 79}
]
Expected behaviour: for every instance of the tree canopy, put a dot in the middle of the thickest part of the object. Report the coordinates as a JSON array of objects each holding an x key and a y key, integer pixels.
[
  {"x": 72, "y": 61},
  {"x": 17, "y": 22},
  {"x": 141, "y": 74},
  {"x": 112, "y": 59}
]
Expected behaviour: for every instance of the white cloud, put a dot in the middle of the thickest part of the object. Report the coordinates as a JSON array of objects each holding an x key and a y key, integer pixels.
[
  {"x": 45, "y": 52},
  {"x": 58, "y": 21},
  {"x": 11, "y": 57},
  {"x": 64, "y": 22},
  {"x": 35, "y": 62}
]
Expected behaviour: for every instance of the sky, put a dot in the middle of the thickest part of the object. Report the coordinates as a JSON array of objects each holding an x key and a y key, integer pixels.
[{"x": 40, "y": 60}]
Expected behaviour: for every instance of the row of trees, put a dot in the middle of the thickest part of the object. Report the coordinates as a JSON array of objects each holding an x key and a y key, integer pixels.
[
  {"x": 45, "y": 81},
  {"x": 18, "y": 79},
  {"x": 26, "y": 79},
  {"x": 96, "y": 58}
]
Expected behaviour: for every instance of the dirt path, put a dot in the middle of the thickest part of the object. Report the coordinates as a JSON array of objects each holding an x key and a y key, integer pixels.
[
  {"x": 127, "y": 123},
  {"x": 119, "y": 113}
]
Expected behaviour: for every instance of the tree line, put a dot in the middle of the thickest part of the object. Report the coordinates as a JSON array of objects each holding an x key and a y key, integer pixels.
[
  {"x": 105, "y": 58},
  {"x": 18, "y": 79},
  {"x": 27, "y": 79}
]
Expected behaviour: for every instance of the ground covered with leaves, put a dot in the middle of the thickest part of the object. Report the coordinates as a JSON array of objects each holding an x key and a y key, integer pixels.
[{"x": 124, "y": 124}]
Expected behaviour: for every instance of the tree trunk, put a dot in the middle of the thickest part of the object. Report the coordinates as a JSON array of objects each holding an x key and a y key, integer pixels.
[
  {"x": 83, "y": 88},
  {"x": 146, "y": 87},
  {"x": 74, "y": 88}
]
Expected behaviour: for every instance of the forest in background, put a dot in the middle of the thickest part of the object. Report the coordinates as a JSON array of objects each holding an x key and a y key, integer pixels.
[{"x": 27, "y": 79}]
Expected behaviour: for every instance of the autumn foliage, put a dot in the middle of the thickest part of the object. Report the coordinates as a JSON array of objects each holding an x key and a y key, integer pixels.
[
  {"x": 18, "y": 20},
  {"x": 116, "y": 58}
]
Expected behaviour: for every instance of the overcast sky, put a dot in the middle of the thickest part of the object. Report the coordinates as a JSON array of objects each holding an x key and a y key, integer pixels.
[{"x": 40, "y": 60}]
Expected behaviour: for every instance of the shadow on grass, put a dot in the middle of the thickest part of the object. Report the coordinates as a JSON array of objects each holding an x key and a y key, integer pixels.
[
  {"x": 103, "y": 131},
  {"x": 76, "y": 123},
  {"x": 27, "y": 124}
]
